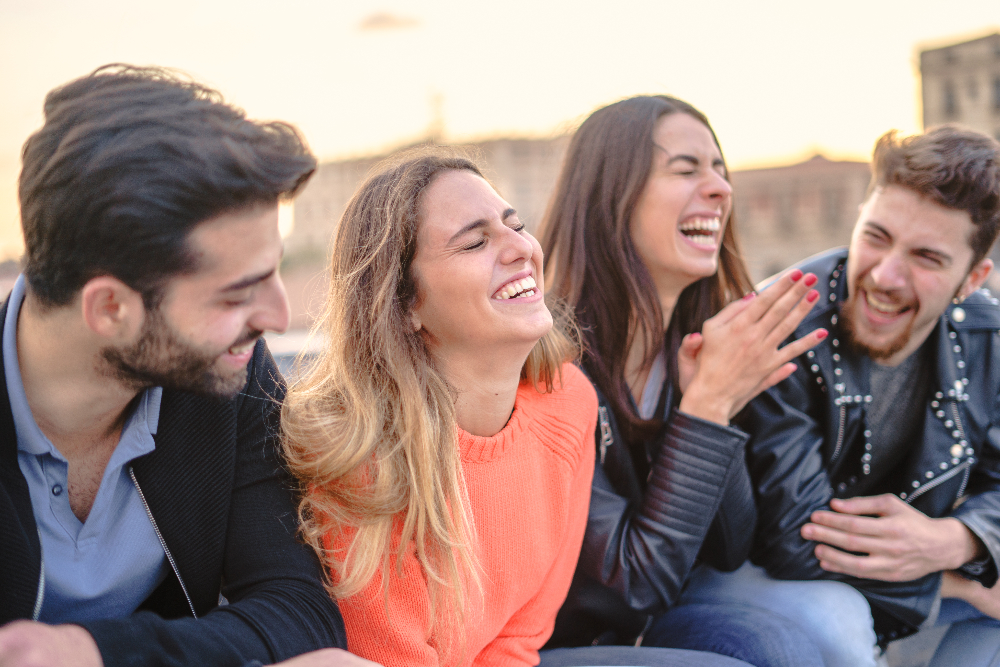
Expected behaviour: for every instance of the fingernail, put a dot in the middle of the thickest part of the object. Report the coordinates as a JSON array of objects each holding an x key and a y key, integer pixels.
[
  {"x": 812, "y": 296},
  {"x": 795, "y": 275},
  {"x": 810, "y": 280},
  {"x": 822, "y": 333},
  {"x": 749, "y": 296}
]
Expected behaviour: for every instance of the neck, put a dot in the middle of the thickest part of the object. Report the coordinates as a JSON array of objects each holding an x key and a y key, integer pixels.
[
  {"x": 73, "y": 403},
  {"x": 485, "y": 386},
  {"x": 636, "y": 368}
]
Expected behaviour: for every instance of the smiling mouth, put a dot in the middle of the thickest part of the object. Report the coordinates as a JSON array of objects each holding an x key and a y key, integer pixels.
[
  {"x": 701, "y": 231},
  {"x": 516, "y": 289},
  {"x": 885, "y": 308}
]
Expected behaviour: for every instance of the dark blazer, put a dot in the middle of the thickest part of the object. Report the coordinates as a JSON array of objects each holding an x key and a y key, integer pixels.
[
  {"x": 809, "y": 436},
  {"x": 224, "y": 506}
]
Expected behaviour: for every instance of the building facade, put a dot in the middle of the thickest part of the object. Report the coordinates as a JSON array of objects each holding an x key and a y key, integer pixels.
[{"x": 961, "y": 84}]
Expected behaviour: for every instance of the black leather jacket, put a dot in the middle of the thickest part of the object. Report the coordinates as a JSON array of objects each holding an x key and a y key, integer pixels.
[
  {"x": 651, "y": 517},
  {"x": 809, "y": 436}
]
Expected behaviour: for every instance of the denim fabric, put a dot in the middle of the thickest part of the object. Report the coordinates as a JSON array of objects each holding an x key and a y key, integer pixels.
[
  {"x": 973, "y": 640},
  {"x": 754, "y": 635},
  {"x": 593, "y": 656},
  {"x": 833, "y": 615}
]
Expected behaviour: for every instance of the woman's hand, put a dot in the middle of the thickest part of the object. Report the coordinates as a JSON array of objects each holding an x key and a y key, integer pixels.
[{"x": 737, "y": 354}]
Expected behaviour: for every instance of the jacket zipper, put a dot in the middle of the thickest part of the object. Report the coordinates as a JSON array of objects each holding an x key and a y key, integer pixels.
[
  {"x": 163, "y": 543},
  {"x": 961, "y": 430},
  {"x": 840, "y": 433},
  {"x": 607, "y": 438},
  {"x": 943, "y": 478},
  {"x": 41, "y": 581}
]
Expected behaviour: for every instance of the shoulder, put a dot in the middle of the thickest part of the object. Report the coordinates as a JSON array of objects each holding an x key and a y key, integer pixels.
[
  {"x": 564, "y": 418},
  {"x": 981, "y": 311}
]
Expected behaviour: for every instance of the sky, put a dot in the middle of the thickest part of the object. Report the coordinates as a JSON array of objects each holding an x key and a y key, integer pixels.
[{"x": 780, "y": 80}]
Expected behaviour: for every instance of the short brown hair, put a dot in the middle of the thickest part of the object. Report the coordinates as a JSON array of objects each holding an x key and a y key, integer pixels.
[{"x": 952, "y": 165}]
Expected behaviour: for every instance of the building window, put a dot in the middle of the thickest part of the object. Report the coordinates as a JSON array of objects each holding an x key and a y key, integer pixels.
[{"x": 950, "y": 103}]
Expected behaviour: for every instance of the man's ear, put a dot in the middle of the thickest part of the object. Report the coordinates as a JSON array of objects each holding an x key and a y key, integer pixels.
[
  {"x": 112, "y": 309},
  {"x": 977, "y": 276}
]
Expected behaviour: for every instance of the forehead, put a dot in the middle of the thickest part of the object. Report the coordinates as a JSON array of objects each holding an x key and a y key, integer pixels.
[
  {"x": 916, "y": 220},
  {"x": 454, "y": 199},
  {"x": 681, "y": 133},
  {"x": 232, "y": 245}
]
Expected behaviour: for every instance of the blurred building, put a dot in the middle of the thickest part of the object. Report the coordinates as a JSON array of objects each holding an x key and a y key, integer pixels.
[
  {"x": 961, "y": 84},
  {"x": 524, "y": 172},
  {"x": 788, "y": 213}
]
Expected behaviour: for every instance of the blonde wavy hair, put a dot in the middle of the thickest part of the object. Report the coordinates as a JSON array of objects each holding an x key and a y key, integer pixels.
[{"x": 370, "y": 428}]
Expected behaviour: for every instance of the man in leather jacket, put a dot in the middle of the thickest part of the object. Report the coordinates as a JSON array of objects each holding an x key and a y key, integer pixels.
[
  {"x": 145, "y": 518},
  {"x": 877, "y": 462}
]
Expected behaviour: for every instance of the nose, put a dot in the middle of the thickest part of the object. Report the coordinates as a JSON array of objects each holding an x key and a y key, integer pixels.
[
  {"x": 272, "y": 312},
  {"x": 716, "y": 187},
  {"x": 889, "y": 273},
  {"x": 516, "y": 246}
]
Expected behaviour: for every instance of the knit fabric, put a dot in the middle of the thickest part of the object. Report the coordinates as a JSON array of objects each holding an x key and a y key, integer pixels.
[{"x": 529, "y": 491}]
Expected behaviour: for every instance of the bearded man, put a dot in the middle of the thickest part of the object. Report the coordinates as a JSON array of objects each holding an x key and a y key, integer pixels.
[
  {"x": 144, "y": 515},
  {"x": 877, "y": 463}
]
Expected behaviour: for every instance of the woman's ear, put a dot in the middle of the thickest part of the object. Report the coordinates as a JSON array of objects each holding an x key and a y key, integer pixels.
[
  {"x": 415, "y": 319},
  {"x": 112, "y": 309}
]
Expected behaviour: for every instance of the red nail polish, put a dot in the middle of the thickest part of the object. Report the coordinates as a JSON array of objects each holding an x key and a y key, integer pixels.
[
  {"x": 795, "y": 275},
  {"x": 812, "y": 296},
  {"x": 810, "y": 280},
  {"x": 749, "y": 296},
  {"x": 822, "y": 333}
]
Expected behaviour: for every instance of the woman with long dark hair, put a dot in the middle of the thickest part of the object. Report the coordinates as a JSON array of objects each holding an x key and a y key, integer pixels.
[
  {"x": 640, "y": 240},
  {"x": 442, "y": 439}
]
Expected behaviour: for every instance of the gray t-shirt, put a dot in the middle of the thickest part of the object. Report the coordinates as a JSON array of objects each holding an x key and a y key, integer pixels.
[{"x": 895, "y": 417}]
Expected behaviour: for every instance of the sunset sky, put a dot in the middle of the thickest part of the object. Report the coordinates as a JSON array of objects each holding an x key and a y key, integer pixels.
[{"x": 779, "y": 79}]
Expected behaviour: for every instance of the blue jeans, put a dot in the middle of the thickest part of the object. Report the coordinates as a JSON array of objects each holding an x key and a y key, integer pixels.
[
  {"x": 751, "y": 634},
  {"x": 833, "y": 615},
  {"x": 633, "y": 657},
  {"x": 973, "y": 640}
]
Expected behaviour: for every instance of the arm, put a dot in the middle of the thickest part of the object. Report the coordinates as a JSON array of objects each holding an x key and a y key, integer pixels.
[
  {"x": 278, "y": 606},
  {"x": 646, "y": 552}
]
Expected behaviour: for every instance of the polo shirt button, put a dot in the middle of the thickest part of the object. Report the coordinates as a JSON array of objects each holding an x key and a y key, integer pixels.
[{"x": 56, "y": 490}]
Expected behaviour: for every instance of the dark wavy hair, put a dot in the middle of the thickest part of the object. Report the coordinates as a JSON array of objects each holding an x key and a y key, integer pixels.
[
  {"x": 952, "y": 165},
  {"x": 594, "y": 265},
  {"x": 128, "y": 161}
]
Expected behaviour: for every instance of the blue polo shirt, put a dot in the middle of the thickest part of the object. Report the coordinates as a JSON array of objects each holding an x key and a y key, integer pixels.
[{"x": 106, "y": 566}]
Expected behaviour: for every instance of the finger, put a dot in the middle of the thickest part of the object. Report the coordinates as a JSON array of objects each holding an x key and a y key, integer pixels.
[
  {"x": 853, "y": 542},
  {"x": 781, "y": 329},
  {"x": 798, "y": 347},
  {"x": 732, "y": 310},
  {"x": 865, "y": 567},
  {"x": 691, "y": 345},
  {"x": 849, "y": 523},
  {"x": 789, "y": 283},
  {"x": 881, "y": 505}
]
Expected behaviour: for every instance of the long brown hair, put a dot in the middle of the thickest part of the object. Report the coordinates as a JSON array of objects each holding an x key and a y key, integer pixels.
[
  {"x": 370, "y": 430},
  {"x": 593, "y": 264}
]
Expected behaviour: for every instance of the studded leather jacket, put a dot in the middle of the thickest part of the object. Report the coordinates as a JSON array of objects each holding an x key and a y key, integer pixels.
[{"x": 810, "y": 443}]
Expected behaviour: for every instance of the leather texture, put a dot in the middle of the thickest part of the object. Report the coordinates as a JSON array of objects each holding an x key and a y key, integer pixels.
[
  {"x": 810, "y": 431},
  {"x": 646, "y": 530}
]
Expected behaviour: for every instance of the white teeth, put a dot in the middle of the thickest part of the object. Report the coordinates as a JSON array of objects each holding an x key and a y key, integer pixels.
[
  {"x": 701, "y": 224},
  {"x": 516, "y": 287},
  {"x": 882, "y": 306},
  {"x": 238, "y": 350}
]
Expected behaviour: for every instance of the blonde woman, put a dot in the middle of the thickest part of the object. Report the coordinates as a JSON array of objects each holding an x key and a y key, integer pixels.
[{"x": 443, "y": 441}]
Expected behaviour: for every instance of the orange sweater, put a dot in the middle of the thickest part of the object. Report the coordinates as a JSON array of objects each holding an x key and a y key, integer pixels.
[{"x": 529, "y": 492}]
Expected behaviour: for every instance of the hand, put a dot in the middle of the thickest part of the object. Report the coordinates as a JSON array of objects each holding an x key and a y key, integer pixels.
[
  {"x": 33, "y": 644},
  {"x": 901, "y": 542},
  {"x": 327, "y": 657},
  {"x": 738, "y": 354},
  {"x": 986, "y": 600}
]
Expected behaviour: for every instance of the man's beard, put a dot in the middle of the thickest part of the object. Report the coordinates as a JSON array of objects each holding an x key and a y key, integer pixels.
[
  {"x": 161, "y": 359},
  {"x": 849, "y": 327}
]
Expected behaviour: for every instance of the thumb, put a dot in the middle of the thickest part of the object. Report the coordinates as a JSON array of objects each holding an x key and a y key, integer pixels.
[{"x": 691, "y": 346}]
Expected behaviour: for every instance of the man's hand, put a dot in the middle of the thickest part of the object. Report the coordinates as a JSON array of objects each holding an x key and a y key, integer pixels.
[
  {"x": 32, "y": 644},
  {"x": 986, "y": 600},
  {"x": 901, "y": 543},
  {"x": 328, "y": 657}
]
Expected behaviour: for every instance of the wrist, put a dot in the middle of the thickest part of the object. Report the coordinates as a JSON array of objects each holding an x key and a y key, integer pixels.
[
  {"x": 964, "y": 546},
  {"x": 709, "y": 408}
]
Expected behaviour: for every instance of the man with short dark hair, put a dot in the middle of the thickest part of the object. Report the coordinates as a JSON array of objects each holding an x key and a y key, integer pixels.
[
  {"x": 145, "y": 517},
  {"x": 877, "y": 463}
]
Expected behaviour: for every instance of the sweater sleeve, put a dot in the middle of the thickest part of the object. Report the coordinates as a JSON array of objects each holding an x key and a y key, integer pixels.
[
  {"x": 530, "y": 626},
  {"x": 390, "y": 626}
]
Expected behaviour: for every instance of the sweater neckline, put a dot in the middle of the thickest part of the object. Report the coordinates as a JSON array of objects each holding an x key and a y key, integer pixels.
[{"x": 483, "y": 449}]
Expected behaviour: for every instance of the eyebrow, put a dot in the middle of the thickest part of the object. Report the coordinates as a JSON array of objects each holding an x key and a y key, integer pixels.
[
  {"x": 481, "y": 222},
  {"x": 249, "y": 281},
  {"x": 944, "y": 257}
]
